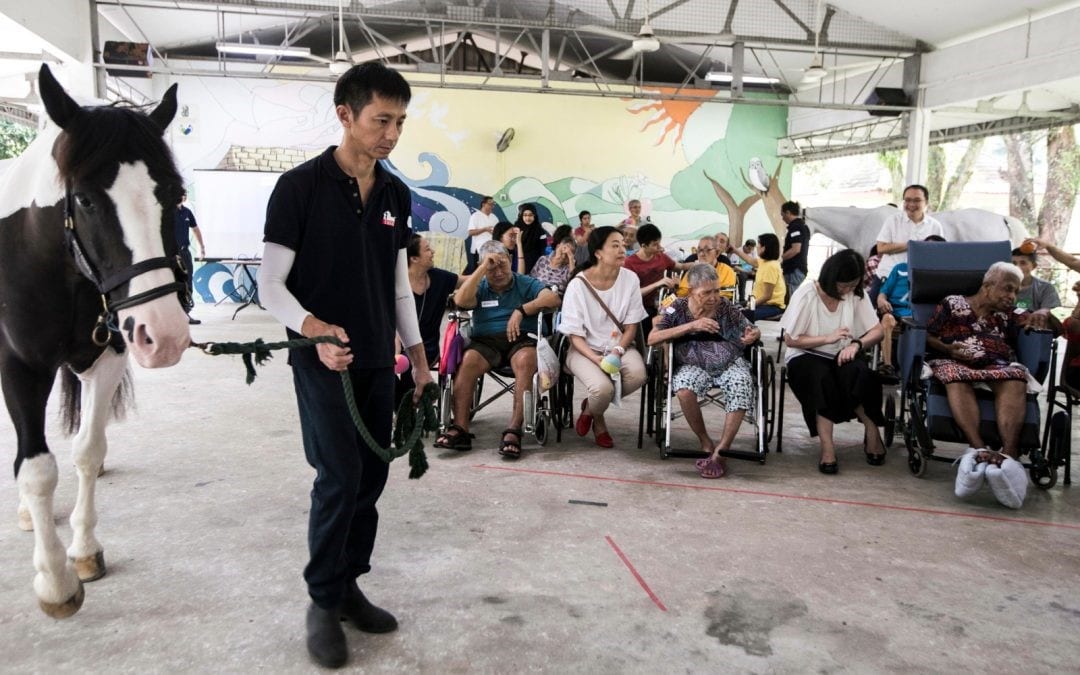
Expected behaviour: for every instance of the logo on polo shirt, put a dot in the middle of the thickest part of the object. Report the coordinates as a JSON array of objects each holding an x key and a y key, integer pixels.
[{"x": 388, "y": 219}]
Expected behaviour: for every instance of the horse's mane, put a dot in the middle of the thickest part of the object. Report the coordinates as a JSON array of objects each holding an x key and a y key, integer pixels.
[{"x": 100, "y": 137}]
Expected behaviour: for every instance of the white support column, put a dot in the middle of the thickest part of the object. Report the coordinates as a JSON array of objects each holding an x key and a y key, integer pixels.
[{"x": 918, "y": 124}]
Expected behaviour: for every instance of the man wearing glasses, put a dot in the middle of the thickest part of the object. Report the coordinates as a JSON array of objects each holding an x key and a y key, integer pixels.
[{"x": 911, "y": 223}]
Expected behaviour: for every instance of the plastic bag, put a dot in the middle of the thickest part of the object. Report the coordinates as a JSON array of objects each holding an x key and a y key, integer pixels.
[{"x": 547, "y": 364}]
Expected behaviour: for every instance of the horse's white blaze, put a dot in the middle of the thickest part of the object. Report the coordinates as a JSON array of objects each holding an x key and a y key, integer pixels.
[
  {"x": 56, "y": 580},
  {"x": 32, "y": 178},
  {"x": 89, "y": 447},
  {"x": 160, "y": 333},
  {"x": 140, "y": 219}
]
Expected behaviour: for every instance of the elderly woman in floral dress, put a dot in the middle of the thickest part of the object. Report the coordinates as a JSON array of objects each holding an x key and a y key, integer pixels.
[{"x": 709, "y": 335}]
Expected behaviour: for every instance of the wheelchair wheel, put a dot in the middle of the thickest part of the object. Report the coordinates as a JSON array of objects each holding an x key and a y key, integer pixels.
[
  {"x": 541, "y": 428},
  {"x": 916, "y": 462},
  {"x": 1044, "y": 475},
  {"x": 890, "y": 420}
]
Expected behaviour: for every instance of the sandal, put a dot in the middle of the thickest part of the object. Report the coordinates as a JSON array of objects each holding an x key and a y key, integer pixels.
[
  {"x": 712, "y": 469},
  {"x": 454, "y": 438},
  {"x": 510, "y": 449}
]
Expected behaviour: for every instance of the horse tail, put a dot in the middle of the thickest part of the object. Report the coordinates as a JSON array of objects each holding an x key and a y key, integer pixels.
[{"x": 71, "y": 399}]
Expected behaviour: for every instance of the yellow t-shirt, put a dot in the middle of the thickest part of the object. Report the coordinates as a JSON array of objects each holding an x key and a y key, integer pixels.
[
  {"x": 727, "y": 282},
  {"x": 768, "y": 272}
]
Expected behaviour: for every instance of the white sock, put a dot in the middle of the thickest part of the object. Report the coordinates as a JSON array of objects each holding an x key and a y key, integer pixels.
[
  {"x": 969, "y": 475},
  {"x": 1009, "y": 482}
]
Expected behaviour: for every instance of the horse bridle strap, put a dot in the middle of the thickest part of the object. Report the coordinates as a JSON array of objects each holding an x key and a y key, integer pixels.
[{"x": 112, "y": 282}]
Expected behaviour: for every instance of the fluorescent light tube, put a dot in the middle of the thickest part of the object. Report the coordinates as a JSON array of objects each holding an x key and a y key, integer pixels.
[
  {"x": 713, "y": 76},
  {"x": 253, "y": 49}
]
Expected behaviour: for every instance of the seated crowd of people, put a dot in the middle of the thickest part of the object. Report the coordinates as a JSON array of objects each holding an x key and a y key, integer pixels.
[{"x": 610, "y": 282}]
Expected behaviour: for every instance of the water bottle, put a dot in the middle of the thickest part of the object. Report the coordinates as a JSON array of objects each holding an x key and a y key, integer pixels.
[{"x": 753, "y": 303}]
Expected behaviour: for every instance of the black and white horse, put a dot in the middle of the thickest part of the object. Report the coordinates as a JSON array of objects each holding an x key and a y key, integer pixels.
[{"x": 88, "y": 273}]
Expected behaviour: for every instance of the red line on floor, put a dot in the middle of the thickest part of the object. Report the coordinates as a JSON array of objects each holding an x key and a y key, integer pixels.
[
  {"x": 630, "y": 566},
  {"x": 781, "y": 495}
]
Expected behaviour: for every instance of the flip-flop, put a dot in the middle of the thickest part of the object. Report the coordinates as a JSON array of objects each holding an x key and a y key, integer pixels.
[{"x": 713, "y": 469}]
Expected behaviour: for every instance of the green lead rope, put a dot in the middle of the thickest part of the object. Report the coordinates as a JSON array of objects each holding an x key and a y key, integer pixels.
[{"x": 411, "y": 422}]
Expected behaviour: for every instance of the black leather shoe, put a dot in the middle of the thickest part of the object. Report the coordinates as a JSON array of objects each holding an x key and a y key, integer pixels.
[
  {"x": 325, "y": 639},
  {"x": 828, "y": 467},
  {"x": 364, "y": 615}
]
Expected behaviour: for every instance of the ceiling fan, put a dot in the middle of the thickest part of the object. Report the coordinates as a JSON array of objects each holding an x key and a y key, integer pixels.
[
  {"x": 647, "y": 40},
  {"x": 342, "y": 59},
  {"x": 816, "y": 70}
]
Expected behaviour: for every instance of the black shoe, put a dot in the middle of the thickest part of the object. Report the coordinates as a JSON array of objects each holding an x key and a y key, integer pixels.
[
  {"x": 828, "y": 467},
  {"x": 364, "y": 615},
  {"x": 192, "y": 321},
  {"x": 325, "y": 639}
]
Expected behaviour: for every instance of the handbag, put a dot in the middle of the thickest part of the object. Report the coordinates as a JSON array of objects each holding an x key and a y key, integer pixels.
[{"x": 453, "y": 348}]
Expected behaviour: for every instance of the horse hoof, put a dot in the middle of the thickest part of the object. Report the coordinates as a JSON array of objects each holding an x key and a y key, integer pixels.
[
  {"x": 62, "y": 610},
  {"x": 26, "y": 523},
  {"x": 101, "y": 471},
  {"x": 90, "y": 568}
]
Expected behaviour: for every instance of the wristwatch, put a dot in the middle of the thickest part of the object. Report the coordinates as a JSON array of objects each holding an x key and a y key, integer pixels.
[{"x": 521, "y": 308}]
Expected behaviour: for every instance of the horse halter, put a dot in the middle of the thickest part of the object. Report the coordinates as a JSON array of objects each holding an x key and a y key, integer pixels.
[{"x": 106, "y": 322}]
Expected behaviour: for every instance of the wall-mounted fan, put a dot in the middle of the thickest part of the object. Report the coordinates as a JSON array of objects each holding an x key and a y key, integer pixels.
[{"x": 504, "y": 140}]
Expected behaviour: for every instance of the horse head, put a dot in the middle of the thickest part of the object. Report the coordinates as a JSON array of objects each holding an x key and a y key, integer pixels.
[{"x": 121, "y": 190}]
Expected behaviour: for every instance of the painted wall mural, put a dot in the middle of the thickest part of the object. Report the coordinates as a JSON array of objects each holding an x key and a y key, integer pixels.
[{"x": 569, "y": 153}]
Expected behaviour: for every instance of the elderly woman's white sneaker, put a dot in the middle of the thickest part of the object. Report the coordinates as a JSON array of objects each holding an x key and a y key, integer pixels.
[
  {"x": 1009, "y": 482},
  {"x": 970, "y": 475}
]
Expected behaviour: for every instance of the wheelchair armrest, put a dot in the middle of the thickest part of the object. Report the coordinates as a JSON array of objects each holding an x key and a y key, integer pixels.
[{"x": 1033, "y": 350}]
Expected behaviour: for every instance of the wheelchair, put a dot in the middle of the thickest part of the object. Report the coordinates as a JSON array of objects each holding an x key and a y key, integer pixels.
[
  {"x": 538, "y": 404},
  {"x": 924, "y": 416},
  {"x": 663, "y": 409},
  {"x": 657, "y": 412}
]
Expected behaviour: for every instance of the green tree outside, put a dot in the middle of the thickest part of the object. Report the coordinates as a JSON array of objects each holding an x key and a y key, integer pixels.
[{"x": 14, "y": 138}]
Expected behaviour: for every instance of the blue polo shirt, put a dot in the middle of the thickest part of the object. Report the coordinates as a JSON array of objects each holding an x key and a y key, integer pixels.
[
  {"x": 346, "y": 253},
  {"x": 493, "y": 309}
]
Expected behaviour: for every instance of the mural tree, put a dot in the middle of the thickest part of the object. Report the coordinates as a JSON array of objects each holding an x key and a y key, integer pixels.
[
  {"x": 773, "y": 198},
  {"x": 736, "y": 211}
]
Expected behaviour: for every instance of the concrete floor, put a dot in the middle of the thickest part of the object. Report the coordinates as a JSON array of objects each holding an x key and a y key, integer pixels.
[{"x": 490, "y": 567}]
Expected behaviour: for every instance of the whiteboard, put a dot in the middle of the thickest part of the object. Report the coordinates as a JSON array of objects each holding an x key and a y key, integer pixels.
[{"x": 230, "y": 207}]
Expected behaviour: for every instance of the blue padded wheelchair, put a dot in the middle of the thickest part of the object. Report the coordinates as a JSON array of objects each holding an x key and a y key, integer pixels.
[{"x": 938, "y": 270}]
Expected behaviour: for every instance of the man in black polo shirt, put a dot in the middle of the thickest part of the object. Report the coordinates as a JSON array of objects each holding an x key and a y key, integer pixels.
[
  {"x": 335, "y": 263},
  {"x": 796, "y": 246}
]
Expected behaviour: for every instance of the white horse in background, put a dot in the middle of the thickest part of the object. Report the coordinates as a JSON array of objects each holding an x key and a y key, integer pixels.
[{"x": 858, "y": 228}]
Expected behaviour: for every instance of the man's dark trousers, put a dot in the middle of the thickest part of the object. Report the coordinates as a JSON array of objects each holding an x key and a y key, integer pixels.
[{"x": 349, "y": 476}]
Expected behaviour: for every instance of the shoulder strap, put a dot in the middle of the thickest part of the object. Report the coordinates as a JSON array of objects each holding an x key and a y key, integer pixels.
[{"x": 603, "y": 305}]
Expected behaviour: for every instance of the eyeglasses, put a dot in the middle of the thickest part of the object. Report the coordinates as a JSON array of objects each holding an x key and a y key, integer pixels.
[
  {"x": 918, "y": 200},
  {"x": 706, "y": 250}
]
